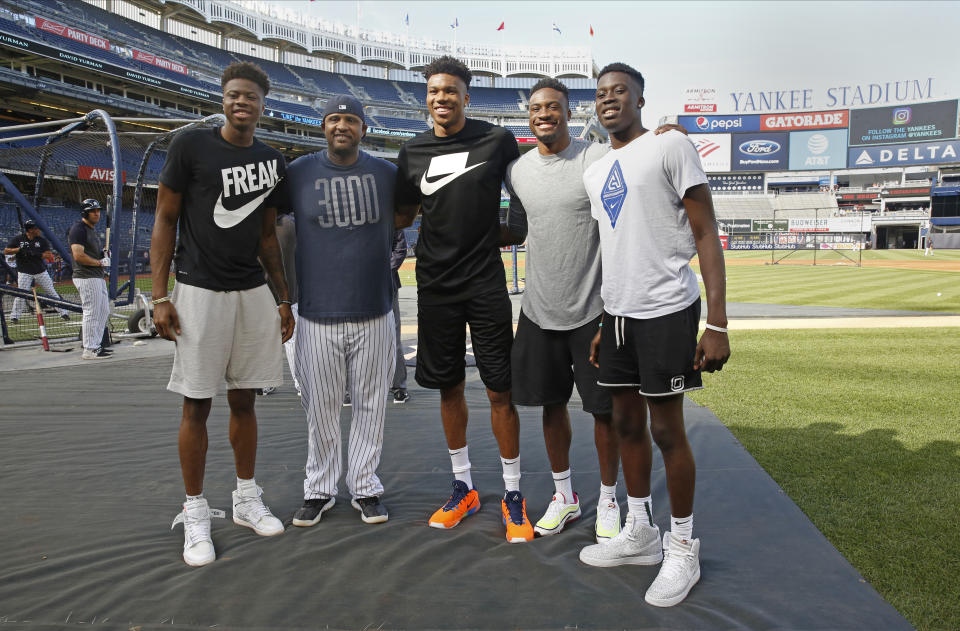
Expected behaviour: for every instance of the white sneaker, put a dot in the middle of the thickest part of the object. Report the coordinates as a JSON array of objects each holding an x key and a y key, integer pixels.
[
  {"x": 678, "y": 574},
  {"x": 249, "y": 511},
  {"x": 608, "y": 520},
  {"x": 197, "y": 544},
  {"x": 636, "y": 544},
  {"x": 559, "y": 512}
]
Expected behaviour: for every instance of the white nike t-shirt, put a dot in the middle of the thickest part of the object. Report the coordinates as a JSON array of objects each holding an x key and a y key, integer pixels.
[{"x": 645, "y": 239}]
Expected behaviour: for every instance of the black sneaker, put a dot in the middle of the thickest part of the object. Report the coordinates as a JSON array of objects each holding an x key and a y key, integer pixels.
[
  {"x": 346, "y": 400},
  {"x": 311, "y": 511},
  {"x": 14, "y": 320},
  {"x": 400, "y": 396},
  {"x": 371, "y": 510},
  {"x": 64, "y": 316}
]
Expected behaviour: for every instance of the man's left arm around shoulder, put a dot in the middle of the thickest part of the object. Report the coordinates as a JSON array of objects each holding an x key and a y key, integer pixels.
[
  {"x": 272, "y": 260},
  {"x": 514, "y": 230},
  {"x": 713, "y": 349}
]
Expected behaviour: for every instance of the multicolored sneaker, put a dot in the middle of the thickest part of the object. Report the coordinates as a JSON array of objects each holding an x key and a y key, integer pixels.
[
  {"x": 559, "y": 512},
  {"x": 514, "y": 509},
  {"x": 608, "y": 520},
  {"x": 462, "y": 503}
]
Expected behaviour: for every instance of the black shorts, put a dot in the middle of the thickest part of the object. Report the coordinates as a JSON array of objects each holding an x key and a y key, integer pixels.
[
  {"x": 654, "y": 355},
  {"x": 441, "y": 341},
  {"x": 546, "y": 364}
]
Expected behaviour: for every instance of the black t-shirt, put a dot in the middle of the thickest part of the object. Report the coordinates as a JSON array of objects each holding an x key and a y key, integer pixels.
[
  {"x": 30, "y": 257},
  {"x": 457, "y": 180},
  {"x": 224, "y": 188},
  {"x": 82, "y": 234}
]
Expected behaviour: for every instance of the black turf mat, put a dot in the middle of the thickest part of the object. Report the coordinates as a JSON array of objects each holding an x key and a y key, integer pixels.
[{"x": 91, "y": 483}]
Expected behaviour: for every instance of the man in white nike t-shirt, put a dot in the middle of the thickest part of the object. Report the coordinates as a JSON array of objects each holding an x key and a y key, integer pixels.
[{"x": 650, "y": 197}]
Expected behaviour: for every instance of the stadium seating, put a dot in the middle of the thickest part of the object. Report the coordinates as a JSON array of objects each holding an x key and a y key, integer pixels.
[
  {"x": 377, "y": 89},
  {"x": 408, "y": 124},
  {"x": 496, "y": 99},
  {"x": 582, "y": 98},
  {"x": 325, "y": 82}
]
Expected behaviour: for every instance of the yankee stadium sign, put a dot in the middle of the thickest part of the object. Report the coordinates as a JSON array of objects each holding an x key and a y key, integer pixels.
[{"x": 843, "y": 96}]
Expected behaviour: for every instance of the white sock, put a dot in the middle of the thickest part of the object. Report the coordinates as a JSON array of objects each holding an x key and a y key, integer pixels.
[
  {"x": 195, "y": 497},
  {"x": 642, "y": 508},
  {"x": 681, "y": 528},
  {"x": 608, "y": 492},
  {"x": 247, "y": 487},
  {"x": 460, "y": 459},
  {"x": 564, "y": 484},
  {"x": 511, "y": 473}
]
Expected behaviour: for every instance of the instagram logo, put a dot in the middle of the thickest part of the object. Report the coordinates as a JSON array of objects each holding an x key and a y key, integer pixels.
[{"x": 901, "y": 116}]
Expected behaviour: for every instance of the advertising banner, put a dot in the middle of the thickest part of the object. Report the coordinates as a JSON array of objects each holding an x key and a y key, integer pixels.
[
  {"x": 714, "y": 150},
  {"x": 718, "y": 124},
  {"x": 296, "y": 118},
  {"x": 768, "y": 151},
  {"x": 59, "y": 29},
  {"x": 748, "y": 183},
  {"x": 904, "y": 123},
  {"x": 702, "y": 100},
  {"x": 735, "y": 225},
  {"x": 96, "y": 64},
  {"x": 804, "y": 120},
  {"x": 901, "y": 155},
  {"x": 830, "y": 224},
  {"x": 825, "y": 149},
  {"x": 907, "y": 191},
  {"x": 160, "y": 62},
  {"x": 96, "y": 174},
  {"x": 769, "y": 225}
]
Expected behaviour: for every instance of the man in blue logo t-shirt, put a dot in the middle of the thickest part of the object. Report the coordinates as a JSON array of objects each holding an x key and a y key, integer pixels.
[{"x": 342, "y": 200}]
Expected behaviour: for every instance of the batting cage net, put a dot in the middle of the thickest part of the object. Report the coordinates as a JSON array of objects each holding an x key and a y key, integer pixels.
[{"x": 46, "y": 171}]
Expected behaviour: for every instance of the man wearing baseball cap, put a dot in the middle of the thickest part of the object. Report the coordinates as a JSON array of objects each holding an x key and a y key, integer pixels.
[
  {"x": 342, "y": 201},
  {"x": 30, "y": 250}
]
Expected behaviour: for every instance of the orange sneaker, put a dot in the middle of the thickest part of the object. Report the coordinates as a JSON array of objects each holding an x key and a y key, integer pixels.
[
  {"x": 515, "y": 519},
  {"x": 462, "y": 502}
]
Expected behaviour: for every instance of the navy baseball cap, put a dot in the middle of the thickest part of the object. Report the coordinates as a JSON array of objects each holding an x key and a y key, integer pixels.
[{"x": 343, "y": 104}]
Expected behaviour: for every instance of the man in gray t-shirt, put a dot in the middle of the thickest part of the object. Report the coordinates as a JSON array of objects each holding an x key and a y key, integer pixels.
[{"x": 561, "y": 308}]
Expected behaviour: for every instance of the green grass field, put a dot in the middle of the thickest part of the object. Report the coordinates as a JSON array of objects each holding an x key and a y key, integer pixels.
[{"x": 860, "y": 428}]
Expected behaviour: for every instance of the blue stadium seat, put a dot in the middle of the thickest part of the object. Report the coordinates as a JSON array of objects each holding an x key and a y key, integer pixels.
[{"x": 377, "y": 89}]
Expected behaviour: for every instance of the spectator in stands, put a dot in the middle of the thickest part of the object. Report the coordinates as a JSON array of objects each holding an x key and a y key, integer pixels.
[
  {"x": 224, "y": 319},
  {"x": 454, "y": 173},
  {"x": 31, "y": 251},
  {"x": 651, "y": 199}
]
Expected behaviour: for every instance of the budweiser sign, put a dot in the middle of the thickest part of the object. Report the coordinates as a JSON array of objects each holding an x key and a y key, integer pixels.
[
  {"x": 160, "y": 62},
  {"x": 97, "y": 174},
  {"x": 66, "y": 31}
]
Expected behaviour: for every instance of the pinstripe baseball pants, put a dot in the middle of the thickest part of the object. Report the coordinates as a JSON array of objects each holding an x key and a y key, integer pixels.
[
  {"x": 96, "y": 309},
  {"x": 43, "y": 281},
  {"x": 334, "y": 356}
]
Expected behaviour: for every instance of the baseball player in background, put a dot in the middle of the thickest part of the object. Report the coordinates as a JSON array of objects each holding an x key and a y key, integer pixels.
[
  {"x": 30, "y": 250},
  {"x": 342, "y": 199},
  {"x": 90, "y": 264},
  {"x": 223, "y": 318}
]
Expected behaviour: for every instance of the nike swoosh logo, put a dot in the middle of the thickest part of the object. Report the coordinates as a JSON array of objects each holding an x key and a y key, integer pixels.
[
  {"x": 229, "y": 218},
  {"x": 429, "y": 188}
]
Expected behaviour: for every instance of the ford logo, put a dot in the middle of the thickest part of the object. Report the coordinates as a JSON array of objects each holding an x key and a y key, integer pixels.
[{"x": 759, "y": 147}]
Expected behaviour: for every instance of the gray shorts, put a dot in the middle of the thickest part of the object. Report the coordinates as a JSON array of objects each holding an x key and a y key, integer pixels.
[{"x": 231, "y": 336}]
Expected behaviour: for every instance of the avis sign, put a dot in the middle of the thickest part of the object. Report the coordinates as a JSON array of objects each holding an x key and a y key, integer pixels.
[
  {"x": 96, "y": 174},
  {"x": 901, "y": 155}
]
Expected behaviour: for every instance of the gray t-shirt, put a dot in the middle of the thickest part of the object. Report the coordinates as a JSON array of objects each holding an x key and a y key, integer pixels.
[{"x": 563, "y": 243}]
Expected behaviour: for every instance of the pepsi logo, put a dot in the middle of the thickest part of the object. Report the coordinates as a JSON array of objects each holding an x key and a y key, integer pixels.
[
  {"x": 702, "y": 122},
  {"x": 759, "y": 147}
]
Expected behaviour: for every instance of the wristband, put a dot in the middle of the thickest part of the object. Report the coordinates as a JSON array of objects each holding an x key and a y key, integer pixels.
[
  {"x": 285, "y": 302},
  {"x": 718, "y": 329},
  {"x": 159, "y": 300},
  {"x": 600, "y": 326}
]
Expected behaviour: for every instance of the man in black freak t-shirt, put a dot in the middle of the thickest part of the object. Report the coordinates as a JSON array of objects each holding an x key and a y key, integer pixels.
[
  {"x": 453, "y": 173},
  {"x": 221, "y": 314}
]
